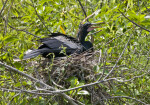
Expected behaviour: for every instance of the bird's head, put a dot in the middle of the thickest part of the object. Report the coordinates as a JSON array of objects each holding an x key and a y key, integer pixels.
[{"x": 84, "y": 29}]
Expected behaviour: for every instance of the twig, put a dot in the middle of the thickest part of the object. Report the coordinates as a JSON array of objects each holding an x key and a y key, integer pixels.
[
  {"x": 97, "y": 82},
  {"x": 25, "y": 91},
  {"x": 41, "y": 82},
  {"x": 104, "y": 62},
  {"x": 6, "y": 21},
  {"x": 35, "y": 92},
  {"x": 13, "y": 98},
  {"x": 127, "y": 98},
  {"x": 134, "y": 22},
  {"x": 83, "y": 9},
  {"x": 23, "y": 31},
  {"x": 89, "y": 16},
  {"x": 39, "y": 16},
  {"x": 118, "y": 36},
  {"x": 100, "y": 56},
  {"x": 19, "y": 29},
  {"x": 66, "y": 90},
  {"x": 146, "y": 7},
  {"x": 56, "y": 84},
  {"x": 24, "y": 74},
  {"x": 94, "y": 32},
  {"x": 118, "y": 58},
  {"x": 3, "y": 7},
  {"x": 16, "y": 17}
]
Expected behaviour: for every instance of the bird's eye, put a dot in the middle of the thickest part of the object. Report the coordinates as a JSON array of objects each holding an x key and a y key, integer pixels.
[{"x": 89, "y": 25}]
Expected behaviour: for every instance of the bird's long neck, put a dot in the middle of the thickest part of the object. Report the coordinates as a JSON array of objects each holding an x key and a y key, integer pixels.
[{"x": 81, "y": 37}]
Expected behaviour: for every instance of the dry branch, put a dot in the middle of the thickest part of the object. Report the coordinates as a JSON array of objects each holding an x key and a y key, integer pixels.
[{"x": 89, "y": 16}]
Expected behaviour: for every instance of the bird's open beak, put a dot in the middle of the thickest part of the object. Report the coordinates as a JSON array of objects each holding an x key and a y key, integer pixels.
[{"x": 92, "y": 28}]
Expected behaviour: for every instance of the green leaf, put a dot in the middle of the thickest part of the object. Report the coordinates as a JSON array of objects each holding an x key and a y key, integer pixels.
[
  {"x": 21, "y": 56},
  {"x": 109, "y": 50},
  {"x": 11, "y": 39},
  {"x": 29, "y": 82},
  {"x": 83, "y": 92},
  {"x": 17, "y": 65}
]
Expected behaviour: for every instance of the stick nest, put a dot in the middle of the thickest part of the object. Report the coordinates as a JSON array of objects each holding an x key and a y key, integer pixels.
[{"x": 80, "y": 67}]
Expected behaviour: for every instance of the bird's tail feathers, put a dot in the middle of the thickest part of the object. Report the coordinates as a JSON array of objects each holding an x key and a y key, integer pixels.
[{"x": 30, "y": 54}]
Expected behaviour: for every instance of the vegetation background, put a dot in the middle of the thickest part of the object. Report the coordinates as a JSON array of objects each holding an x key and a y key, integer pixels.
[{"x": 123, "y": 70}]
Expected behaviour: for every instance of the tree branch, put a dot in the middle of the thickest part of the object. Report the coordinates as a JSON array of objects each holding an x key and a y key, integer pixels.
[
  {"x": 118, "y": 58},
  {"x": 69, "y": 99},
  {"x": 19, "y": 29},
  {"x": 89, "y": 16},
  {"x": 127, "y": 98},
  {"x": 6, "y": 20},
  {"x": 3, "y": 7},
  {"x": 83, "y": 9},
  {"x": 146, "y": 7},
  {"x": 106, "y": 80},
  {"x": 23, "y": 31},
  {"x": 95, "y": 32},
  {"x": 134, "y": 22},
  {"x": 39, "y": 16},
  {"x": 118, "y": 36}
]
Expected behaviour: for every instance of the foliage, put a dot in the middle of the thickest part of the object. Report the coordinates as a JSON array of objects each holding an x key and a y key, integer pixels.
[{"x": 41, "y": 17}]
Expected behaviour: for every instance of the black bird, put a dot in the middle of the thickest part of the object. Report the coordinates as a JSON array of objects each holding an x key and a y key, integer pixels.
[{"x": 57, "y": 41}]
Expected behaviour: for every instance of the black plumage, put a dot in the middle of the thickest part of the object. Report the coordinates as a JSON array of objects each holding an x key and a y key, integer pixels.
[{"x": 57, "y": 41}]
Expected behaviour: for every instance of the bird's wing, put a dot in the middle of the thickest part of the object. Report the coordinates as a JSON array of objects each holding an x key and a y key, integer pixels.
[{"x": 57, "y": 41}]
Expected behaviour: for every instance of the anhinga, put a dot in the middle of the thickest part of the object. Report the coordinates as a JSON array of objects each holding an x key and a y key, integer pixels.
[{"x": 54, "y": 43}]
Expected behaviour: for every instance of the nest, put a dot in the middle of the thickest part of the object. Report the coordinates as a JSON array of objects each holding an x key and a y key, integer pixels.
[{"x": 79, "y": 66}]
